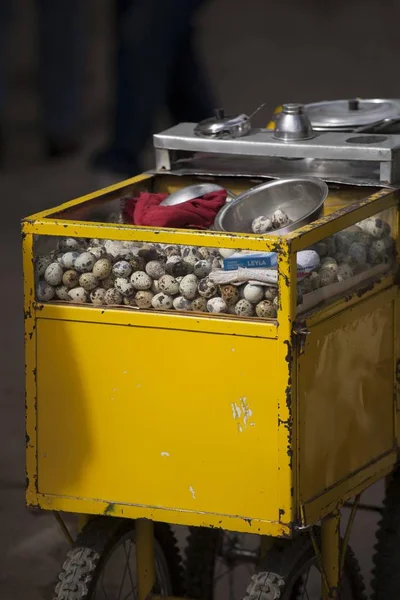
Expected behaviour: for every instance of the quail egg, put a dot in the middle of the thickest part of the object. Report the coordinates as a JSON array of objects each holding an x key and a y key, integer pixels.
[
  {"x": 205, "y": 253},
  {"x": 44, "y": 292},
  {"x": 68, "y": 244},
  {"x": 202, "y": 268},
  {"x": 177, "y": 267},
  {"x": 124, "y": 286},
  {"x": 230, "y": 294},
  {"x": 141, "y": 281},
  {"x": 216, "y": 263},
  {"x": 226, "y": 252},
  {"x": 53, "y": 274},
  {"x": 85, "y": 262},
  {"x": 253, "y": 293},
  {"x": 97, "y": 296},
  {"x": 275, "y": 302},
  {"x": 305, "y": 286},
  {"x": 70, "y": 278},
  {"x": 261, "y": 225},
  {"x": 68, "y": 259},
  {"x": 266, "y": 310},
  {"x": 155, "y": 269},
  {"x": 88, "y": 281},
  {"x": 315, "y": 280},
  {"x": 41, "y": 264},
  {"x": 143, "y": 298},
  {"x": 168, "y": 285},
  {"x": 199, "y": 304},
  {"x": 155, "y": 286},
  {"x": 149, "y": 252},
  {"x": 190, "y": 255},
  {"x": 171, "y": 250},
  {"x": 162, "y": 301},
  {"x": 327, "y": 276},
  {"x": 113, "y": 296},
  {"x": 377, "y": 252},
  {"x": 217, "y": 305},
  {"x": 244, "y": 308},
  {"x": 279, "y": 219},
  {"x": 108, "y": 283},
  {"x": 344, "y": 272},
  {"x": 181, "y": 303},
  {"x": 270, "y": 293},
  {"x": 373, "y": 226},
  {"x": 122, "y": 268},
  {"x": 102, "y": 268},
  {"x": 78, "y": 295},
  {"x": 113, "y": 248},
  {"x": 188, "y": 287},
  {"x": 357, "y": 254},
  {"x": 137, "y": 263},
  {"x": 97, "y": 251},
  {"x": 62, "y": 293},
  {"x": 207, "y": 288}
]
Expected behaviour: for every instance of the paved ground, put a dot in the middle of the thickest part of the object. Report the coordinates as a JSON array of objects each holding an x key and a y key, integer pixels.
[{"x": 293, "y": 51}]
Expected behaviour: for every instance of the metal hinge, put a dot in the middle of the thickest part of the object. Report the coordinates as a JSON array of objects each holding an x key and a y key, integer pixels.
[{"x": 301, "y": 333}]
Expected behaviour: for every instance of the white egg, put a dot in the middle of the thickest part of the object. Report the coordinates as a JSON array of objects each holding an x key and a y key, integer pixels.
[
  {"x": 244, "y": 308},
  {"x": 261, "y": 225},
  {"x": 97, "y": 296},
  {"x": 253, "y": 293},
  {"x": 102, "y": 268},
  {"x": 143, "y": 298},
  {"x": 124, "y": 286},
  {"x": 181, "y": 303},
  {"x": 202, "y": 268},
  {"x": 78, "y": 295},
  {"x": 217, "y": 305},
  {"x": 113, "y": 296},
  {"x": 141, "y": 281},
  {"x": 62, "y": 293},
  {"x": 85, "y": 262},
  {"x": 155, "y": 269},
  {"x": 226, "y": 252},
  {"x": 122, "y": 269},
  {"x": 168, "y": 285},
  {"x": 188, "y": 287},
  {"x": 68, "y": 259},
  {"x": 53, "y": 274},
  {"x": 68, "y": 244},
  {"x": 162, "y": 301},
  {"x": 207, "y": 288},
  {"x": 41, "y": 264},
  {"x": 88, "y": 281},
  {"x": 44, "y": 292},
  {"x": 266, "y": 309},
  {"x": 279, "y": 219},
  {"x": 199, "y": 304}
]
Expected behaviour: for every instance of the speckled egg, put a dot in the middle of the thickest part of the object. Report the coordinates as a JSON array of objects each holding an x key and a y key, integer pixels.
[
  {"x": 68, "y": 259},
  {"x": 344, "y": 272},
  {"x": 199, "y": 304},
  {"x": 67, "y": 244},
  {"x": 216, "y": 263},
  {"x": 88, "y": 281},
  {"x": 129, "y": 301},
  {"x": 321, "y": 248},
  {"x": 168, "y": 285},
  {"x": 266, "y": 310},
  {"x": 162, "y": 301},
  {"x": 261, "y": 225},
  {"x": 108, "y": 282},
  {"x": 97, "y": 251},
  {"x": 172, "y": 250},
  {"x": 270, "y": 293},
  {"x": 279, "y": 219},
  {"x": 143, "y": 298},
  {"x": 122, "y": 269},
  {"x": 85, "y": 262},
  {"x": 328, "y": 263},
  {"x": 177, "y": 267},
  {"x": 315, "y": 280},
  {"x": 155, "y": 269},
  {"x": 113, "y": 296},
  {"x": 102, "y": 268},
  {"x": 373, "y": 226},
  {"x": 149, "y": 252},
  {"x": 205, "y": 253},
  {"x": 141, "y": 281},
  {"x": 327, "y": 276},
  {"x": 53, "y": 274},
  {"x": 181, "y": 303},
  {"x": 202, "y": 268},
  {"x": 98, "y": 296},
  {"x": 190, "y": 254},
  {"x": 41, "y": 264},
  {"x": 78, "y": 295},
  {"x": 230, "y": 294},
  {"x": 305, "y": 286},
  {"x": 357, "y": 254},
  {"x": 113, "y": 248},
  {"x": 207, "y": 288},
  {"x": 343, "y": 241},
  {"x": 124, "y": 286},
  {"x": 62, "y": 293},
  {"x": 253, "y": 293},
  {"x": 44, "y": 292},
  {"x": 70, "y": 278},
  {"x": 155, "y": 287},
  {"x": 137, "y": 263},
  {"x": 244, "y": 308},
  {"x": 188, "y": 287},
  {"x": 217, "y": 305}
]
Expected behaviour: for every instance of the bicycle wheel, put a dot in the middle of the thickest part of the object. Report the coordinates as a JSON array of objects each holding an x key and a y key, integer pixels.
[
  {"x": 290, "y": 571},
  {"x": 102, "y": 563},
  {"x": 386, "y": 571}
]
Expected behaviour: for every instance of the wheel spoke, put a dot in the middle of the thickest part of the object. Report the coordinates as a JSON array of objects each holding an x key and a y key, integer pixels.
[
  {"x": 103, "y": 589},
  {"x": 306, "y": 597},
  {"x": 128, "y": 559},
  {"x": 124, "y": 575}
]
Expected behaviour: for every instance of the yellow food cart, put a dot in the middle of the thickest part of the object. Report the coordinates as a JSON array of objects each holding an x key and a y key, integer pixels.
[{"x": 142, "y": 418}]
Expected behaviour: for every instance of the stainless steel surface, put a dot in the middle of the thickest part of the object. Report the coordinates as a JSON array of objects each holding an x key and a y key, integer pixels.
[
  {"x": 301, "y": 199},
  {"x": 221, "y": 126},
  {"x": 381, "y": 126},
  {"x": 292, "y": 124},
  {"x": 190, "y": 193},
  {"x": 345, "y": 114}
]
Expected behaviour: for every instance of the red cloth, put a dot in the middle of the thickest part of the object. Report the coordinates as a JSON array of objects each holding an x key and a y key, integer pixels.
[{"x": 199, "y": 213}]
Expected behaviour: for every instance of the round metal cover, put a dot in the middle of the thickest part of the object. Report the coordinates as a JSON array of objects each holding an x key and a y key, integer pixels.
[{"x": 339, "y": 114}]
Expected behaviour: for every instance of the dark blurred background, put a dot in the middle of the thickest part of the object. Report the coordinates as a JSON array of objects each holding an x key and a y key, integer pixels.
[{"x": 254, "y": 51}]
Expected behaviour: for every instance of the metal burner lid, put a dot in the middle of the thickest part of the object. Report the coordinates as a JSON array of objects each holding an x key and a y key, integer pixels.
[{"x": 337, "y": 114}]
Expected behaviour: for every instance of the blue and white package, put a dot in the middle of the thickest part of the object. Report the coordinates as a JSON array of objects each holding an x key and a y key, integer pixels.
[{"x": 251, "y": 260}]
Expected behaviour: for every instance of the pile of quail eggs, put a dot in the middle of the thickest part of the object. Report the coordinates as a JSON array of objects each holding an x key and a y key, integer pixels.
[
  {"x": 146, "y": 276},
  {"x": 350, "y": 252},
  {"x": 263, "y": 224}
]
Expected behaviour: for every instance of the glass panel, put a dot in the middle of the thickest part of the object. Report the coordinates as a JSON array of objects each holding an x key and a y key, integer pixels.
[{"x": 346, "y": 260}]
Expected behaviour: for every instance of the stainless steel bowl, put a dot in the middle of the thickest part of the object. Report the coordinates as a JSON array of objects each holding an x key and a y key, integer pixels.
[{"x": 301, "y": 198}]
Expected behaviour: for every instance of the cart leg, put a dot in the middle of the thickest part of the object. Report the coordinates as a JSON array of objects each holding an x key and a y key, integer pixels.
[
  {"x": 145, "y": 557},
  {"x": 330, "y": 549}
]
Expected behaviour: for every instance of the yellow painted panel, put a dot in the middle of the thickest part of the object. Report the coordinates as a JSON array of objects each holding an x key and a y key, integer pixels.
[
  {"x": 169, "y": 418},
  {"x": 345, "y": 383}
]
